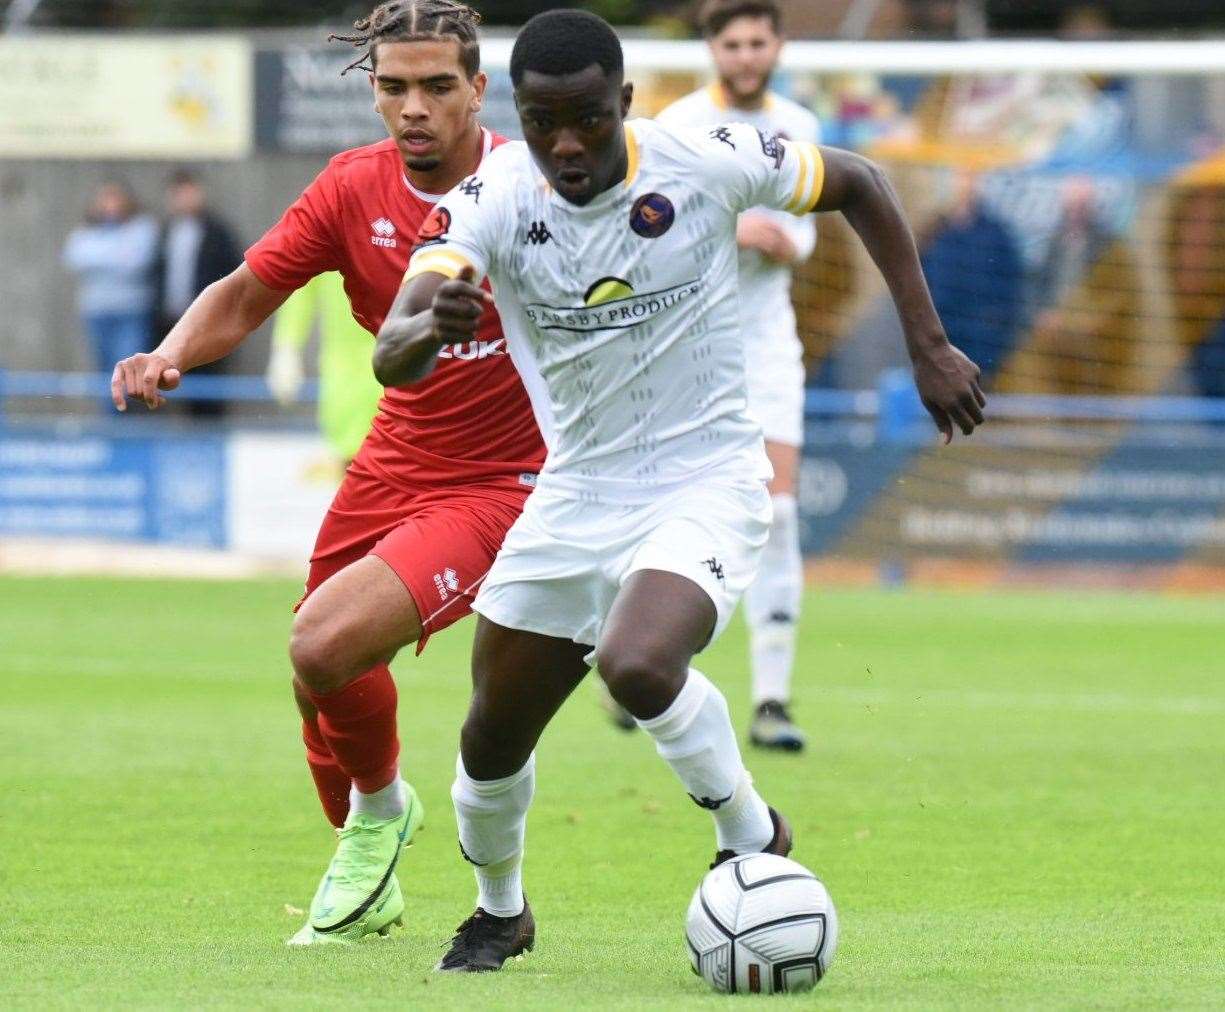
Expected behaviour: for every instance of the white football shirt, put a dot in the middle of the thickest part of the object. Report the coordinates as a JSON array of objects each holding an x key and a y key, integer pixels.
[
  {"x": 765, "y": 286},
  {"x": 623, "y": 315}
]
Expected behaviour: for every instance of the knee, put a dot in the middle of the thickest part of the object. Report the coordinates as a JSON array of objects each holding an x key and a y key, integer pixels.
[
  {"x": 644, "y": 678},
  {"x": 322, "y": 655}
]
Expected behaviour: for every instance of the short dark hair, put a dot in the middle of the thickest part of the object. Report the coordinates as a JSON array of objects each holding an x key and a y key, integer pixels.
[
  {"x": 564, "y": 42},
  {"x": 182, "y": 176},
  {"x": 718, "y": 14},
  {"x": 416, "y": 21}
]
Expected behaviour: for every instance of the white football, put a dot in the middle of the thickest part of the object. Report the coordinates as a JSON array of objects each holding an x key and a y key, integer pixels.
[{"x": 761, "y": 924}]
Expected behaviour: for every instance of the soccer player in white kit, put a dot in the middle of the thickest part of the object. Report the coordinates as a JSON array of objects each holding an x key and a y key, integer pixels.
[
  {"x": 745, "y": 40},
  {"x": 611, "y": 250}
]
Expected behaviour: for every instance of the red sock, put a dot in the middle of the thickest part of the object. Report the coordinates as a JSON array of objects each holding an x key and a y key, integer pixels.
[
  {"x": 331, "y": 782},
  {"x": 358, "y": 723}
]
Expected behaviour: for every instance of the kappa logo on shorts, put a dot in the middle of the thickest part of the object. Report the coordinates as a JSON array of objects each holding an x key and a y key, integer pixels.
[
  {"x": 716, "y": 567},
  {"x": 446, "y": 582}
]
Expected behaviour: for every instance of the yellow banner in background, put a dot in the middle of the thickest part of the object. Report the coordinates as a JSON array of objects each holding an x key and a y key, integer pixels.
[{"x": 88, "y": 96}]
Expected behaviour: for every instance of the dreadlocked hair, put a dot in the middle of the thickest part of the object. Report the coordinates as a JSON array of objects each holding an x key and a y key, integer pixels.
[{"x": 415, "y": 21}]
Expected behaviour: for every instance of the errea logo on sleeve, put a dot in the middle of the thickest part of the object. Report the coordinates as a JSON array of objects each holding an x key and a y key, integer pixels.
[{"x": 383, "y": 231}]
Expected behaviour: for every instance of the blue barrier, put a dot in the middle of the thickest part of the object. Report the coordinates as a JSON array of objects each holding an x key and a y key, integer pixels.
[
  {"x": 98, "y": 385},
  {"x": 894, "y": 404}
]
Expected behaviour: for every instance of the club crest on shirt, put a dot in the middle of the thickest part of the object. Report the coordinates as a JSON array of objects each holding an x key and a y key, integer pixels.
[
  {"x": 435, "y": 228},
  {"x": 652, "y": 215},
  {"x": 772, "y": 148}
]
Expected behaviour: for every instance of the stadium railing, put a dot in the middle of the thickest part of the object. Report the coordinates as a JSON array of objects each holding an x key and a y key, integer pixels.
[
  {"x": 73, "y": 385},
  {"x": 894, "y": 403}
]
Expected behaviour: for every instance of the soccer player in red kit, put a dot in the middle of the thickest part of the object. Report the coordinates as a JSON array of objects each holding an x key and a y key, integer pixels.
[{"x": 440, "y": 478}]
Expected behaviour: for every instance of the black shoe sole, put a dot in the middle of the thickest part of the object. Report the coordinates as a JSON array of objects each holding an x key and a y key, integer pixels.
[{"x": 786, "y": 745}]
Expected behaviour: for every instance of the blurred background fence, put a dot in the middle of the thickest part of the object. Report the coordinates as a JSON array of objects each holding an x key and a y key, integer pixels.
[{"x": 1069, "y": 197}]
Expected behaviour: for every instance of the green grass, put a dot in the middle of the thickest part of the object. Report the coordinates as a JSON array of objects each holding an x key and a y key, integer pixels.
[{"x": 1015, "y": 799}]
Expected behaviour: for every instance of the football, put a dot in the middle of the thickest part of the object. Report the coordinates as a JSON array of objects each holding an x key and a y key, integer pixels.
[{"x": 761, "y": 924}]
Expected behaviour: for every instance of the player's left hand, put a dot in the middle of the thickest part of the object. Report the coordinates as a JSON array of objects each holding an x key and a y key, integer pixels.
[{"x": 948, "y": 384}]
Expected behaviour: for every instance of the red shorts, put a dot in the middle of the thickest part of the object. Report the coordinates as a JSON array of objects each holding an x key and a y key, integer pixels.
[{"x": 439, "y": 541}]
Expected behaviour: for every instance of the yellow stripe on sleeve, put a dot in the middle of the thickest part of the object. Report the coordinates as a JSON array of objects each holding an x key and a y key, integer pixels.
[
  {"x": 801, "y": 187},
  {"x": 818, "y": 183},
  {"x": 441, "y": 261}
]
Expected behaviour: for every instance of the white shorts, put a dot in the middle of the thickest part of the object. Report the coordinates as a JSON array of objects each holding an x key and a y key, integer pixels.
[
  {"x": 774, "y": 370},
  {"x": 564, "y": 560}
]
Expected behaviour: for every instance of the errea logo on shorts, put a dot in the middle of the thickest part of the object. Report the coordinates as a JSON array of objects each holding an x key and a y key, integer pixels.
[
  {"x": 446, "y": 582},
  {"x": 383, "y": 231}
]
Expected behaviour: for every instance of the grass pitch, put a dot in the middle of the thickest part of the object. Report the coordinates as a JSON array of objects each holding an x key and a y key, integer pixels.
[{"x": 1015, "y": 799}]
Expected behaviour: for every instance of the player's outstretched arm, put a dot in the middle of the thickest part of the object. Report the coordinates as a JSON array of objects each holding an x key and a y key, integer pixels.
[
  {"x": 947, "y": 380},
  {"x": 214, "y": 325},
  {"x": 430, "y": 311}
]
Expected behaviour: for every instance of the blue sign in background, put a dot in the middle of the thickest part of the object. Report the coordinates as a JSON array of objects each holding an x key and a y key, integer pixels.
[{"x": 147, "y": 488}]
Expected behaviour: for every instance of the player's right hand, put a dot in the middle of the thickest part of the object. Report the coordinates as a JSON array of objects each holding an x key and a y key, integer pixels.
[
  {"x": 457, "y": 308},
  {"x": 142, "y": 376}
]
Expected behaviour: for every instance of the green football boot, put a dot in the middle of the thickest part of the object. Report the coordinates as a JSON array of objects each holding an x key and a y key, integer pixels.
[{"x": 360, "y": 894}]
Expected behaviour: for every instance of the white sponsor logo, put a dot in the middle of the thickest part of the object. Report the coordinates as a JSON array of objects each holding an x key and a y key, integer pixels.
[
  {"x": 469, "y": 351},
  {"x": 383, "y": 231},
  {"x": 446, "y": 582}
]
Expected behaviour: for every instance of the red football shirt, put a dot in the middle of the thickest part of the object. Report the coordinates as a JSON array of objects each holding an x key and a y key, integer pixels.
[{"x": 470, "y": 419}]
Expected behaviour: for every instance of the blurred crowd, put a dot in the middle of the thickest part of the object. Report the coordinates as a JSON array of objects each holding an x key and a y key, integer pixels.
[{"x": 137, "y": 273}]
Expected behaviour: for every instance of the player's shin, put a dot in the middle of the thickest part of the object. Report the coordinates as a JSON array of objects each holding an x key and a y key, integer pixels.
[
  {"x": 358, "y": 722},
  {"x": 492, "y": 819},
  {"x": 331, "y": 782},
  {"x": 772, "y": 605},
  {"x": 694, "y": 735}
]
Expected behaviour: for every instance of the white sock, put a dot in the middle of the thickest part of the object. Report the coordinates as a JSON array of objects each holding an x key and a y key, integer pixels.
[
  {"x": 772, "y": 605},
  {"x": 695, "y": 736},
  {"x": 383, "y": 804},
  {"x": 492, "y": 817}
]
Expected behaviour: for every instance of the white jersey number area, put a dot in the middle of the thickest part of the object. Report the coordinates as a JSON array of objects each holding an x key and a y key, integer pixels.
[{"x": 627, "y": 309}]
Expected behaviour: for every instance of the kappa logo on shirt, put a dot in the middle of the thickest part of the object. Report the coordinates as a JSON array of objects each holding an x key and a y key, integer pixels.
[{"x": 383, "y": 231}]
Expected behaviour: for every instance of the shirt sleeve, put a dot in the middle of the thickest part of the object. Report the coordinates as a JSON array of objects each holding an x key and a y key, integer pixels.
[
  {"x": 754, "y": 169},
  {"x": 460, "y": 232},
  {"x": 304, "y": 242}
]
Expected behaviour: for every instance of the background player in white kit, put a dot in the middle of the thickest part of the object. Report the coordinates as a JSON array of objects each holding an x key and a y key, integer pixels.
[
  {"x": 610, "y": 246},
  {"x": 745, "y": 39}
]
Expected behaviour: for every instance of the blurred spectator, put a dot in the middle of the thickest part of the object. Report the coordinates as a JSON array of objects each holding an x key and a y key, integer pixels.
[
  {"x": 1079, "y": 240},
  {"x": 946, "y": 19},
  {"x": 348, "y": 392},
  {"x": 111, "y": 255},
  {"x": 974, "y": 269},
  {"x": 1086, "y": 23},
  {"x": 195, "y": 249}
]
